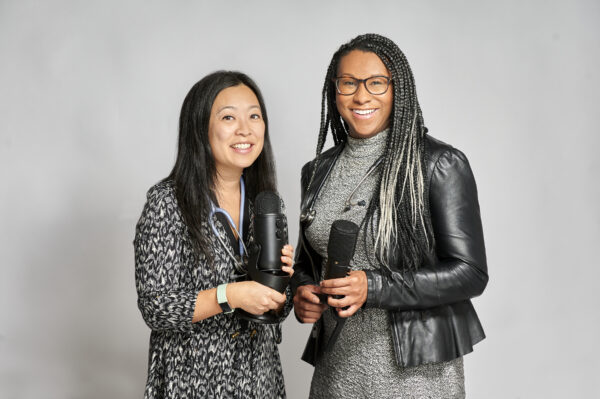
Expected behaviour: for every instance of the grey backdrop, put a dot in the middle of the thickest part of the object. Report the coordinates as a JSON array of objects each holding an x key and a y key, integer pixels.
[{"x": 90, "y": 96}]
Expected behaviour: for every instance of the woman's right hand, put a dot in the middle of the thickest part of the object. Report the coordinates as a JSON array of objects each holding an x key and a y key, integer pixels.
[
  {"x": 307, "y": 305},
  {"x": 253, "y": 297}
]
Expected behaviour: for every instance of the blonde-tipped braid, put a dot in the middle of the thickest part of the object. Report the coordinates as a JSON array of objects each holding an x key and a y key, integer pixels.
[{"x": 398, "y": 216}]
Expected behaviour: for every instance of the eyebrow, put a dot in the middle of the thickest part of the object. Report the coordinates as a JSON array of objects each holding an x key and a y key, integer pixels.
[
  {"x": 235, "y": 108},
  {"x": 349, "y": 75},
  {"x": 226, "y": 107}
]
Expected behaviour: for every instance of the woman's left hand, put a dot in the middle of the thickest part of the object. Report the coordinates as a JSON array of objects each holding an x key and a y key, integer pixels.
[
  {"x": 288, "y": 259},
  {"x": 354, "y": 288}
]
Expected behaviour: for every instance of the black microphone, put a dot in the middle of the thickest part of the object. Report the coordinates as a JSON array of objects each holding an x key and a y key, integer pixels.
[
  {"x": 270, "y": 231},
  {"x": 264, "y": 259},
  {"x": 340, "y": 248}
]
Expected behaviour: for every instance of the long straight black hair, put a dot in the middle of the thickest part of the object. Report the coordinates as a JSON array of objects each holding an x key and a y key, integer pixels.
[
  {"x": 194, "y": 173},
  {"x": 400, "y": 201}
]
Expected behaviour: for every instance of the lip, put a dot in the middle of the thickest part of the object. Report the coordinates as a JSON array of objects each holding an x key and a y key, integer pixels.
[
  {"x": 242, "y": 150},
  {"x": 356, "y": 115}
]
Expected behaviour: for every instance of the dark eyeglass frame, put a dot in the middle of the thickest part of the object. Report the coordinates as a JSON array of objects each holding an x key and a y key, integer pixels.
[{"x": 359, "y": 81}]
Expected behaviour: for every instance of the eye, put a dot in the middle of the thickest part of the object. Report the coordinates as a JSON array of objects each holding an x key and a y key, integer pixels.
[
  {"x": 255, "y": 116},
  {"x": 227, "y": 118},
  {"x": 377, "y": 82},
  {"x": 348, "y": 82}
]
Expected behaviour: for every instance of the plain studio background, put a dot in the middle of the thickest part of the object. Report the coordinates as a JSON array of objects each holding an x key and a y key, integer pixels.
[{"x": 89, "y": 103}]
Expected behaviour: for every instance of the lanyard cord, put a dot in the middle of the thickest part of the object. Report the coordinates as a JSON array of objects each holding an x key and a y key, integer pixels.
[
  {"x": 236, "y": 261},
  {"x": 349, "y": 202}
]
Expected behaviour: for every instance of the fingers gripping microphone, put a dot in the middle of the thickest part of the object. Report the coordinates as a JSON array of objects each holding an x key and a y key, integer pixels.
[
  {"x": 264, "y": 263},
  {"x": 340, "y": 250}
]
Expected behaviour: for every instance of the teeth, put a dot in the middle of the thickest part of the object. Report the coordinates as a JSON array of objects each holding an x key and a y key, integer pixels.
[
  {"x": 241, "y": 146},
  {"x": 364, "y": 111}
]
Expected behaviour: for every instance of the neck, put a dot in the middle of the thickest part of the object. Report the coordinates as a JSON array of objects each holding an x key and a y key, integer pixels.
[
  {"x": 364, "y": 136},
  {"x": 227, "y": 184},
  {"x": 355, "y": 135}
]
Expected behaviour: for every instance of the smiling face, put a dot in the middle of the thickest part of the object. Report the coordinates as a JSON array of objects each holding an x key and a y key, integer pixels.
[
  {"x": 236, "y": 130},
  {"x": 366, "y": 114}
]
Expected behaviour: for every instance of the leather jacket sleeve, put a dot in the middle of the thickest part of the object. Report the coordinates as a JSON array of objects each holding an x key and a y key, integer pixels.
[
  {"x": 460, "y": 270},
  {"x": 303, "y": 269}
]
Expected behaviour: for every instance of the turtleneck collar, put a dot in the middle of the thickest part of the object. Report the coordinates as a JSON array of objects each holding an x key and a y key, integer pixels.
[{"x": 369, "y": 147}]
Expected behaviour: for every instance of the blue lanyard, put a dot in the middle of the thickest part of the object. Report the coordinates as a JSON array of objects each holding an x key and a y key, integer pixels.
[{"x": 239, "y": 232}]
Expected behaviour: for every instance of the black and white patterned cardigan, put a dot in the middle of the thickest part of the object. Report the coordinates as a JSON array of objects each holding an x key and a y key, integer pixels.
[{"x": 219, "y": 357}]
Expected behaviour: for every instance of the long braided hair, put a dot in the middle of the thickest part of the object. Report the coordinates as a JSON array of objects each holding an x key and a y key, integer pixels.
[{"x": 398, "y": 217}]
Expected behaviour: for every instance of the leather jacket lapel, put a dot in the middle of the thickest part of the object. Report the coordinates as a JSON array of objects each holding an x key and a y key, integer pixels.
[{"x": 321, "y": 168}]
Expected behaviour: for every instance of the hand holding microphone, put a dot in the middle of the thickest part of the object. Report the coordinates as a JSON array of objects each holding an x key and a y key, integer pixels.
[
  {"x": 287, "y": 259},
  {"x": 307, "y": 305},
  {"x": 256, "y": 298},
  {"x": 269, "y": 261},
  {"x": 353, "y": 288},
  {"x": 347, "y": 290}
]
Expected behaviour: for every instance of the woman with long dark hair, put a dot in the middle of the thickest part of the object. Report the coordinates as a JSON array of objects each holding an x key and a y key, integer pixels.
[
  {"x": 189, "y": 244},
  {"x": 420, "y": 256}
]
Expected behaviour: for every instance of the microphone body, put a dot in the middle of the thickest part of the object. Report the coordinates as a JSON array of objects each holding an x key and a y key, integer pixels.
[
  {"x": 340, "y": 250},
  {"x": 264, "y": 259},
  {"x": 270, "y": 230}
]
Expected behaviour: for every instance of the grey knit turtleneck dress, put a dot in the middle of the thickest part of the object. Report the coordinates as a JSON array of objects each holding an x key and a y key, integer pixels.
[{"x": 362, "y": 362}]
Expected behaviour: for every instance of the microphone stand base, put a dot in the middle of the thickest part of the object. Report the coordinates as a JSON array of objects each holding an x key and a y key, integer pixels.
[{"x": 266, "y": 318}]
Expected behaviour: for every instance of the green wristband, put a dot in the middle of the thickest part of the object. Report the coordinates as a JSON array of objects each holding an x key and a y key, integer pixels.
[{"x": 222, "y": 298}]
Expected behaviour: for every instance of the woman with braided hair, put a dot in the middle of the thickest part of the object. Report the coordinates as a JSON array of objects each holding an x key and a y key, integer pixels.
[{"x": 420, "y": 255}]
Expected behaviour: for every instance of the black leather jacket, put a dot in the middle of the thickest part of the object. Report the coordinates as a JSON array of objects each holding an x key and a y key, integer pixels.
[{"x": 433, "y": 319}]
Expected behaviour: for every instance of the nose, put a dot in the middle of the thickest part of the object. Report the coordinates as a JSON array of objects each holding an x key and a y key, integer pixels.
[
  {"x": 362, "y": 95},
  {"x": 243, "y": 128}
]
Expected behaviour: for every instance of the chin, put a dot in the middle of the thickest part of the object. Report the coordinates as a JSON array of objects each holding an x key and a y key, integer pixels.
[
  {"x": 247, "y": 164},
  {"x": 369, "y": 131},
  {"x": 364, "y": 133}
]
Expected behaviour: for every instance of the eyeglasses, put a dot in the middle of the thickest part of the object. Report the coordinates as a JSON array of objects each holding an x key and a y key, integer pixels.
[{"x": 376, "y": 85}]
